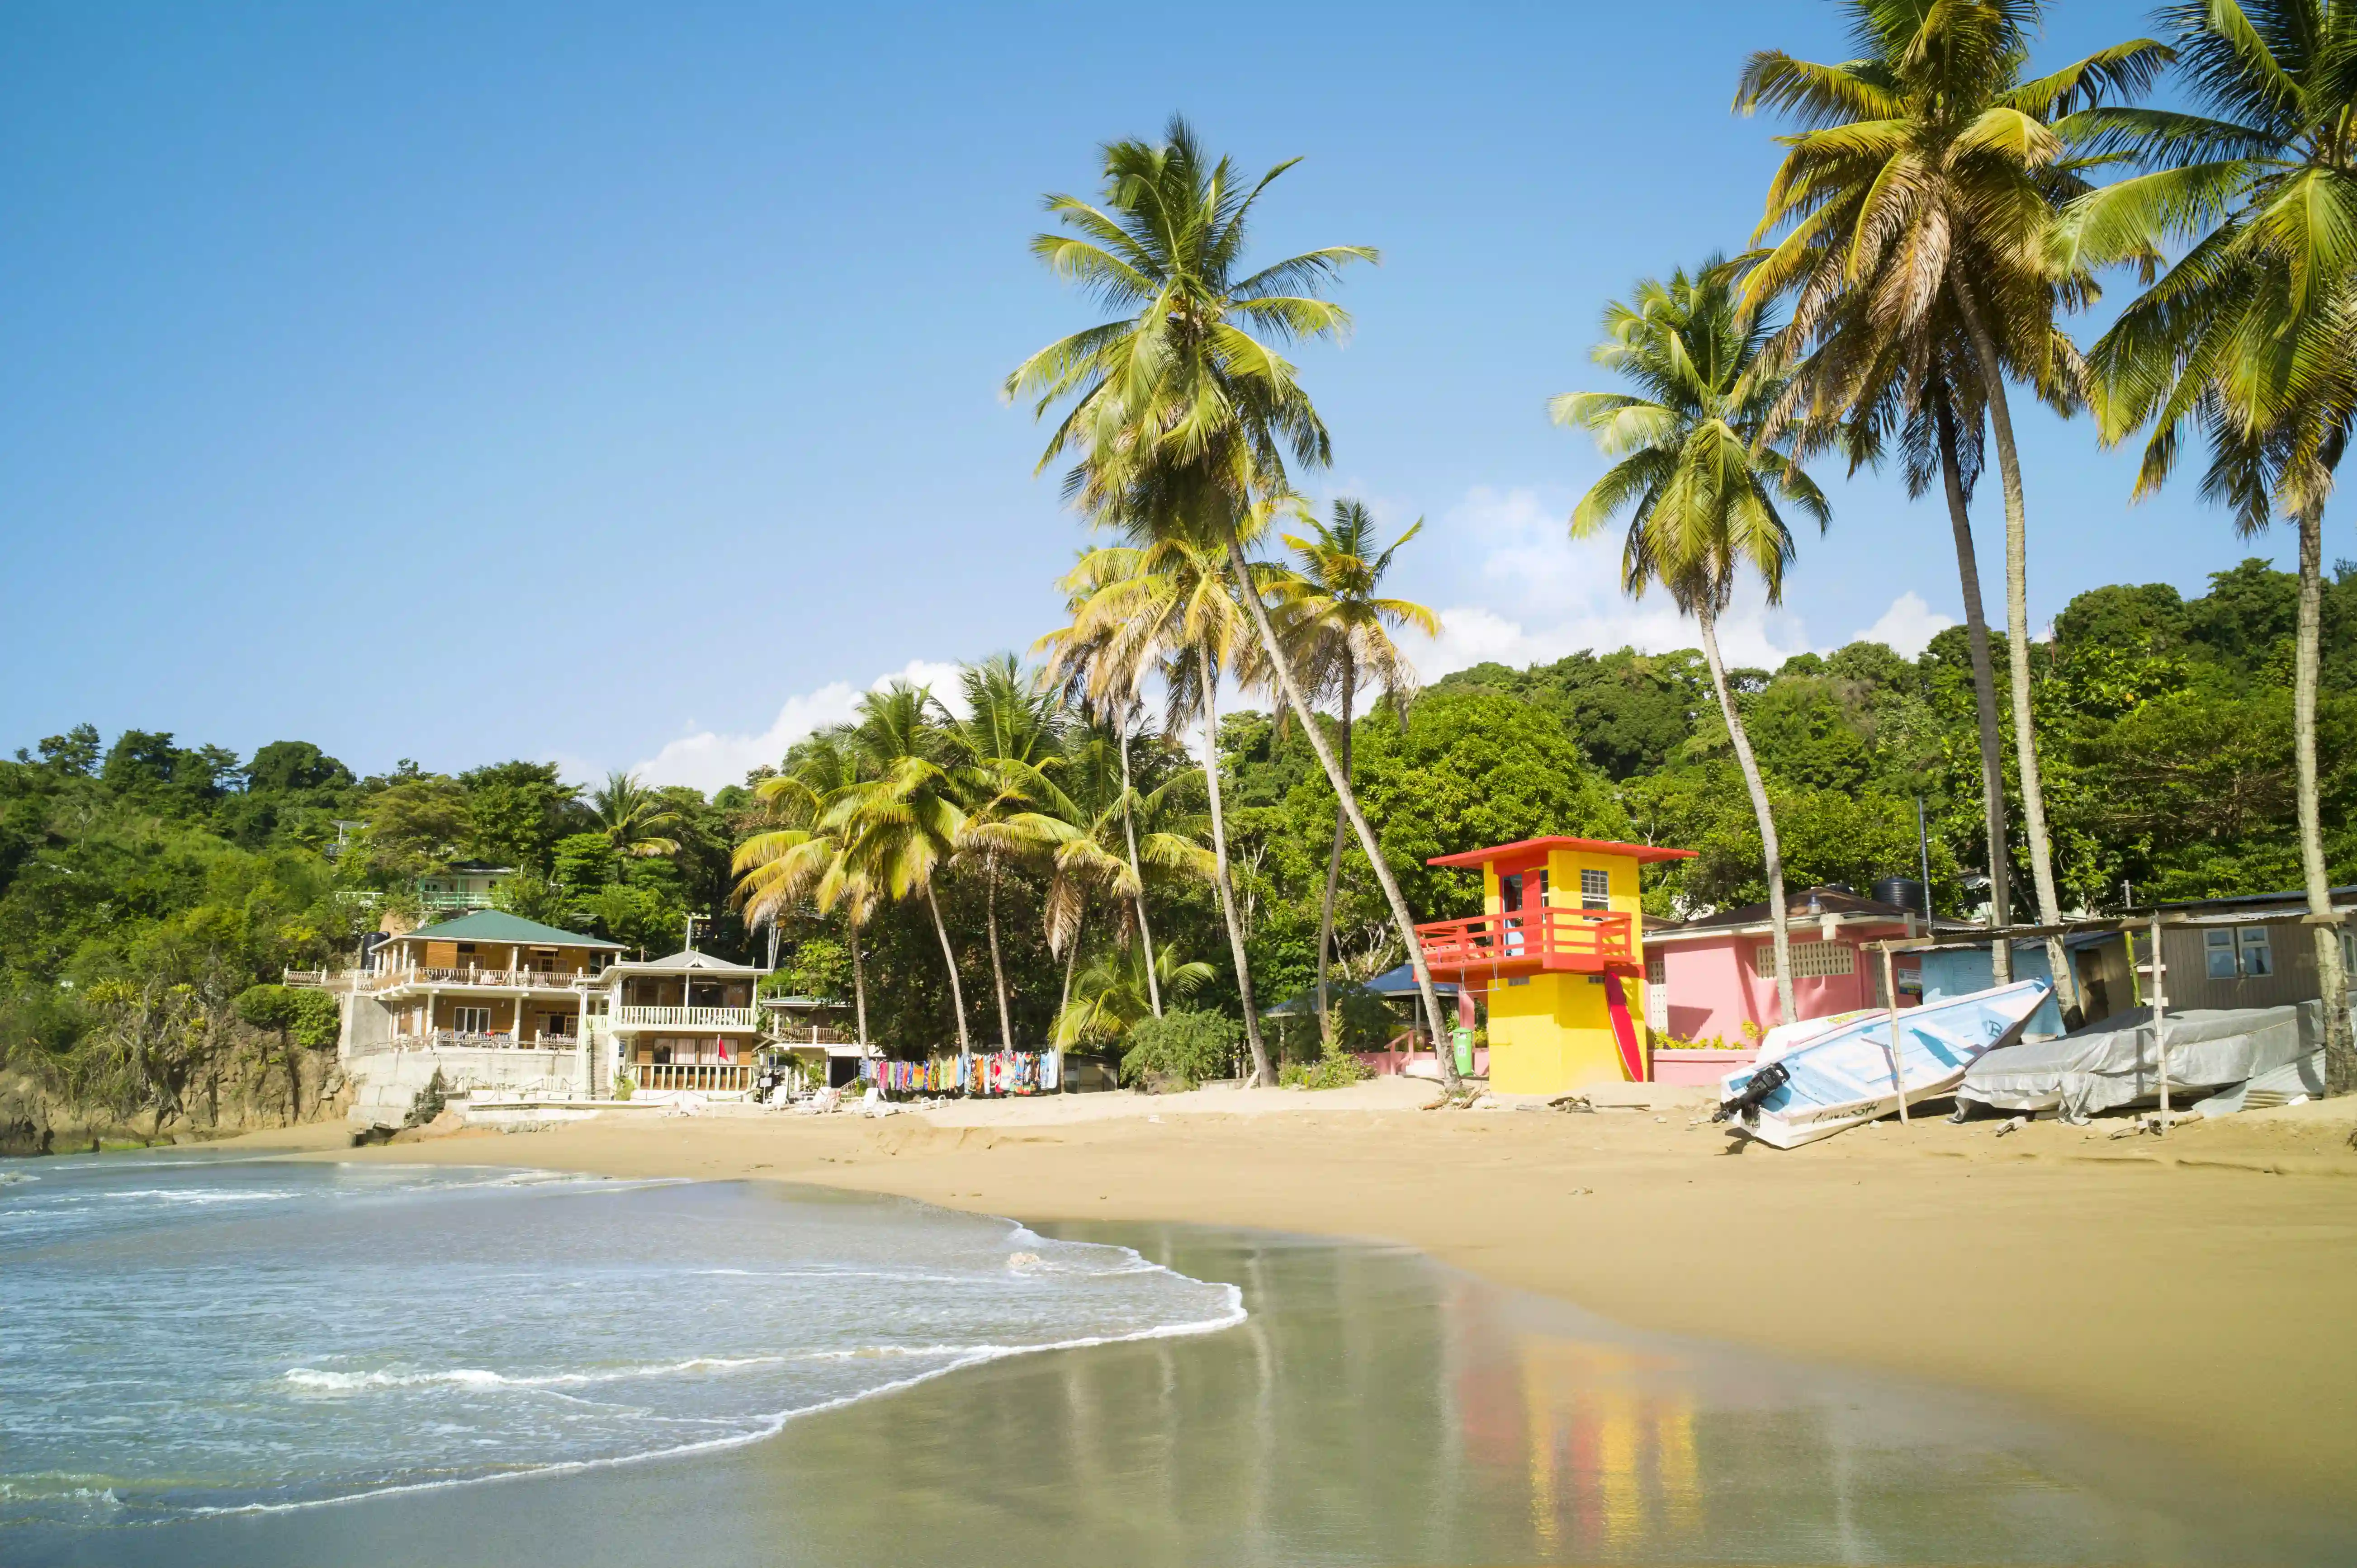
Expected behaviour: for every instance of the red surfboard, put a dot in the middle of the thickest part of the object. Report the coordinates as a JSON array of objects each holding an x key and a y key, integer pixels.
[{"x": 1625, "y": 1029}]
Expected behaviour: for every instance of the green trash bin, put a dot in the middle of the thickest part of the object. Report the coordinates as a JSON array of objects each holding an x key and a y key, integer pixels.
[{"x": 1463, "y": 1037}]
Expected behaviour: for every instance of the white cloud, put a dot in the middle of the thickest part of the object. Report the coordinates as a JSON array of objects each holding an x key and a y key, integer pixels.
[
  {"x": 708, "y": 759},
  {"x": 1908, "y": 625},
  {"x": 1550, "y": 596}
]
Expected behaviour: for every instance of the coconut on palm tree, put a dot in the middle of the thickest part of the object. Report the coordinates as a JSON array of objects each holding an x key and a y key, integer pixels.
[
  {"x": 2251, "y": 338},
  {"x": 1916, "y": 204},
  {"x": 1181, "y": 413},
  {"x": 630, "y": 815},
  {"x": 1339, "y": 630},
  {"x": 1702, "y": 483}
]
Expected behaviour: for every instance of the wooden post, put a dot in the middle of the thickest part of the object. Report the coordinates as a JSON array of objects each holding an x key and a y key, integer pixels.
[
  {"x": 1891, "y": 996},
  {"x": 2159, "y": 1009}
]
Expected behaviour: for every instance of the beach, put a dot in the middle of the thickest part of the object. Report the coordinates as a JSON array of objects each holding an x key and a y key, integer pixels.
[{"x": 2183, "y": 1291}]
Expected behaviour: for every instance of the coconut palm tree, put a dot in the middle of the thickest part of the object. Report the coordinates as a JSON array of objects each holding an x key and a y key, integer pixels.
[
  {"x": 1701, "y": 481},
  {"x": 629, "y": 813},
  {"x": 1010, "y": 738},
  {"x": 782, "y": 867},
  {"x": 903, "y": 820},
  {"x": 1917, "y": 201},
  {"x": 1182, "y": 412},
  {"x": 2251, "y": 337},
  {"x": 1169, "y": 604},
  {"x": 1339, "y": 631},
  {"x": 1111, "y": 994}
]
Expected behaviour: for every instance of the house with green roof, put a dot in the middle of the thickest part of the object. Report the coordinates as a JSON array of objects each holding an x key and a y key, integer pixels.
[{"x": 488, "y": 979}]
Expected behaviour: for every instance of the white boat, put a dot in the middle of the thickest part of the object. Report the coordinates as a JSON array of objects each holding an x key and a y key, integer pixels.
[{"x": 1845, "y": 1076}]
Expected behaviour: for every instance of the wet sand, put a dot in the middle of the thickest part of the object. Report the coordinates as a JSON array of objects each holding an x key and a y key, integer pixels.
[{"x": 2193, "y": 1291}]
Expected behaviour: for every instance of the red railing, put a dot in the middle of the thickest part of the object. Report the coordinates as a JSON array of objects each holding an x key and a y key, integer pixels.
[{"x": 1530, "y": 938}]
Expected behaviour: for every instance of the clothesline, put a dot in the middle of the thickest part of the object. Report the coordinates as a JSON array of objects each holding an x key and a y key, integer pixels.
[{"x": 988, "y": 1073}]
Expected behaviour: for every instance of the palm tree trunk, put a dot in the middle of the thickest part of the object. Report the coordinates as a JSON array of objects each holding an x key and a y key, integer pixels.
[
  {"x": 1261, "y": 1073},
  {"x": 1072, "y": 958},
  {"x": 2340, "y": 1057},
  {"x": 1129, "y": 830},
  {"x": 957, "y": 991},
  {"x": 1334, "y": 868},
  {"x": 1771, "y": 852},
  {"x": 998, "y": 970},
  {"x": 2017, "y": 628},
  {"x": 859, "y": 986},
  {"x": 1968, "y": 575},
  {"x": 1348, "y": 800}
]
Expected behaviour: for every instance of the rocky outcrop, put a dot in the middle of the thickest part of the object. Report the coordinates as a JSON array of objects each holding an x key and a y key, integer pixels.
[{"x": 245, "y": 1089}]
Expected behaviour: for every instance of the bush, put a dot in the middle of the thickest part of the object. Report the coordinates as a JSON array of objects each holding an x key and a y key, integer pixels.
[
  {"x": 1181, "y": 1049},
  {"x": 1338, "y": 1071},
  {"x": 429, "y": 1101}
]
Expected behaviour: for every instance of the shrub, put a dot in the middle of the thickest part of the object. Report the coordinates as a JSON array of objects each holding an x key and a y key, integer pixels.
[
  {"x": 430, "y": 1103},
  {"x": 1182, "y": 1047},
  {"x": 1338, "y": 1071}
]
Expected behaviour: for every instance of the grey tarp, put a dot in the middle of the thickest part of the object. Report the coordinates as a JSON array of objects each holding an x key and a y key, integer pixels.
[
  {"x": 2113, "y": 1063},
  {"x": 2302, "y": 1079}
]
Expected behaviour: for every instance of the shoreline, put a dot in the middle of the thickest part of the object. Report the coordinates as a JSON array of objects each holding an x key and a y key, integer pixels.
[{"x": 2185, "y": 1294}]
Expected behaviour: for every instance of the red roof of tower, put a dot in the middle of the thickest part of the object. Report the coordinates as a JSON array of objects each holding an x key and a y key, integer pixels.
[{"x": 1641, "y": 853}]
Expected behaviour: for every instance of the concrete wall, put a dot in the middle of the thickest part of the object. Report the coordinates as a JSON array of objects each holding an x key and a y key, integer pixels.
[{"x": 385, "y": 1078}]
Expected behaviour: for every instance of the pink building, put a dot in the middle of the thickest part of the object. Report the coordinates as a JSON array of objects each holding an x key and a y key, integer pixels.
[{"x": 1711, "y": 976}]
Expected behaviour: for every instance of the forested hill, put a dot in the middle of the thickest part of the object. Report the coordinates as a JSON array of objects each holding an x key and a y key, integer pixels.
[{"x": 146, "y": 886}]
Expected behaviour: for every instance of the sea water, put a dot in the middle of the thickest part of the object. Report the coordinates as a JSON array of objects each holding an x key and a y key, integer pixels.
[{"x": 183, "y": 1336}]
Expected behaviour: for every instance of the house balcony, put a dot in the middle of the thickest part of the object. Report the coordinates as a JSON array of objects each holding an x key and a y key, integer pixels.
[
  {"x": 390, "y": 981},
  {"x": 626, "y": 1019},
  {"x": 1528, "y": 942},
  {"x": 707, "y": 1078},
  {"x": 454, "y": 903}
]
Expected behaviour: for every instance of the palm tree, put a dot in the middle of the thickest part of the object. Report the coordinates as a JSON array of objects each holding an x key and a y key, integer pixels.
[
  {"x": 1700, "y": 478},
  {"x": 782, "y": 867},
  {"x": 1011, "y": 735},
  {"x": 1181, "y": 418},
  {"x": 1920, "y": 193},
  {"x": 1339, "y": 631},
  {"x": 2251, "y": 336},
  {"x": 901, "y": 824},
  {"x": 1111, "y": 994},
  {"x": 628, "y": 813},
  {"x": 1169, "y": 604},
  {"x": 1108, "y": 813}
]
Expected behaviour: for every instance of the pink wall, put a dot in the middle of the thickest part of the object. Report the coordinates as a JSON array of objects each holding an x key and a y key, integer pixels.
[{"x": 1712, "y": 990}]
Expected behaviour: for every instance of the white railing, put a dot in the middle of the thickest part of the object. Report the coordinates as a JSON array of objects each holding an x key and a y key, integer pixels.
[
  {"x": 454, "y": 900},
  {"x": 488, "y": 978},
  {"x": 711, "y": 1077},
  {"x": 812, "y": 1037},
  {"x": 685, "y": 1018},
  {"x": 497, "y": 1041}
]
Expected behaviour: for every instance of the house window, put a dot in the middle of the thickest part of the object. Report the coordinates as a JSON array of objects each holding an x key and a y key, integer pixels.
[
  {"x": 1657, "y": 971},
  {"x": 466, "y": 947},
  {"x": 559, "y": 1024},
  {"x": 2258, "y": 952},
  {"x": 2218, "y": 954},
  {"x": 1810, "y": 960},
  {"x": 1595, "y": 890},
  {"x": 471, "y": 1020}
]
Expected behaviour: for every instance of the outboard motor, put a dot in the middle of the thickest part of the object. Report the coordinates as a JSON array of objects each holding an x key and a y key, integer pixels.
[{"x": 1746, "y": 1105}]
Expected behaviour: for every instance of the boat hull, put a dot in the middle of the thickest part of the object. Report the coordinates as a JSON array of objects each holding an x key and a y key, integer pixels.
[{"x": 1846, "y": 1077}]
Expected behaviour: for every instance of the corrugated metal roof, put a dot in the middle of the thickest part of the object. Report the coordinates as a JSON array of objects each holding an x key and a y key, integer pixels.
[{"x": 497, "y": 926}]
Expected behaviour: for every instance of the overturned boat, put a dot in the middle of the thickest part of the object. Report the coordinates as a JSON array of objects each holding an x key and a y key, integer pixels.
[
  {"x": 1847, "y": 1075},
  {"x": 2117, "y": 1062}
]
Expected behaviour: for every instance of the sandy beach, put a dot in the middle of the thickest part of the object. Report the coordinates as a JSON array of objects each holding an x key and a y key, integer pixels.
[{"x": 2186, "y": 1291}]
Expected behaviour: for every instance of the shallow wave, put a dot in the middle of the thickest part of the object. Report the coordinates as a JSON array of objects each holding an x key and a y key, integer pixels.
[
  {"x": 317, "y": 1381},
  {"x": 771, "y": 1424}
]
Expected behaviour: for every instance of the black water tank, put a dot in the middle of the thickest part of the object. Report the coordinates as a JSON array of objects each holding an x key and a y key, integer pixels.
[{"x": 1903, "y": 891}]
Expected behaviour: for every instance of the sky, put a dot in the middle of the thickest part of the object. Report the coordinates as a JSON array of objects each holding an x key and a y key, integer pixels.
[{"x": 619, "y": 385}]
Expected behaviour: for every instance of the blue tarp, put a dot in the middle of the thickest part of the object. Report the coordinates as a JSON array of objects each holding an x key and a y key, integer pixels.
[{"x": 1391, "y": 982}]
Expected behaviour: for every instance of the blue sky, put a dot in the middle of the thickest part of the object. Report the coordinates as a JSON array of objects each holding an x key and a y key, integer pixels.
[{"x": 619, "y": 385}]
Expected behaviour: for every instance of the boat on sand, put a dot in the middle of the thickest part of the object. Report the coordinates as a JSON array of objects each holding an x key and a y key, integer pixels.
[{"x": 1847, "y": 1076}]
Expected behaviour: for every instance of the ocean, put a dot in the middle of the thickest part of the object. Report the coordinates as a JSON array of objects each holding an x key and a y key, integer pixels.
[{"x": 219, "y": 1364}]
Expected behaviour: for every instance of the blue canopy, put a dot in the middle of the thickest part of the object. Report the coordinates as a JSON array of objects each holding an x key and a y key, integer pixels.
[{"x": 1391, "y": 982}]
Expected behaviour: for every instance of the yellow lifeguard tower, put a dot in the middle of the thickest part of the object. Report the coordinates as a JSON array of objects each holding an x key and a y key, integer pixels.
[{"x": 1559, "y": 950}]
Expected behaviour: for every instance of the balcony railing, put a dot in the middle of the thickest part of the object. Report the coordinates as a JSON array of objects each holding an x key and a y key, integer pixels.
[
  {"x": 495, "y": 1041},
  {"x": 711, "y": 1077},
  {"x": 686, "y": 1018},
  {"x": 454, "y": 900},
  {"x": 487, "y": 979},
  {"x": 1528, "y": 940}
]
